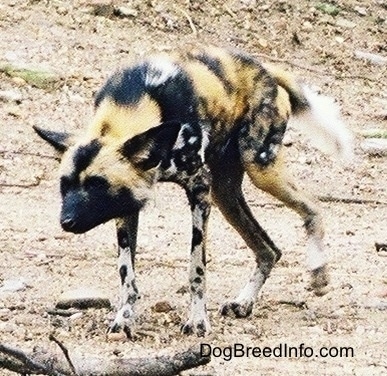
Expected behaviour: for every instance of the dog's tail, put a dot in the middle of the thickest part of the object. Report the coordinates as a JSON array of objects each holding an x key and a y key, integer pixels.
[{"x": 317, "y": 116}]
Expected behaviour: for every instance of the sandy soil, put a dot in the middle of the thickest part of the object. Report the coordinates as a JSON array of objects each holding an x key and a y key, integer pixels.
[{"x": 84, "y": 48}]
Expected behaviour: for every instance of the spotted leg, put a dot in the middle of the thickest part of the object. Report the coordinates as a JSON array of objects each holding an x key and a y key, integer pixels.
[
  {"x": 127, "y": 239},
  {"x": 198, "y": 192}
]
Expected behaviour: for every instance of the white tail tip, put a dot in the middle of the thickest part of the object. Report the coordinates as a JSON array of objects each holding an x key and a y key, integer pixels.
[{"x": 325, "y": 128}]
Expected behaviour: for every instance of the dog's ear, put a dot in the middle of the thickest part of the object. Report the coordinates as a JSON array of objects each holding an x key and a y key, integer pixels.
[
  {"x": 61, "y": 141},
  {"x": 148, "y": 149}
]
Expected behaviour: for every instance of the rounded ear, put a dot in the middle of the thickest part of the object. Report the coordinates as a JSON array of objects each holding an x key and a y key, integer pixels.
[
  {"x": 61, "y": 141},
  {"x": 148, "y": 149}
]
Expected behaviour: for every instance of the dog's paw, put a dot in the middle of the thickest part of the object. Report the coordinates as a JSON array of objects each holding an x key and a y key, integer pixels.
[
  {"x": 199, "y": 326},
  {"x": 123, "y": 321},
  {"x": 237, "y": 309},
  {"x": 320, "y": 280}
]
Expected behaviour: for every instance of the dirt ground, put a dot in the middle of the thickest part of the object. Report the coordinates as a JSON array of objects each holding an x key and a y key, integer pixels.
[{"x": 68, "y": 38}]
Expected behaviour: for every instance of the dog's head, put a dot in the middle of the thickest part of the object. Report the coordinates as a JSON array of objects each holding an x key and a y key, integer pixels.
[{"x": 102, "y": 178}]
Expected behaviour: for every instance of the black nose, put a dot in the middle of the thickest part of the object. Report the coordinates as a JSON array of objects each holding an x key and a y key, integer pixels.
[{"x": 67, "y": 224}]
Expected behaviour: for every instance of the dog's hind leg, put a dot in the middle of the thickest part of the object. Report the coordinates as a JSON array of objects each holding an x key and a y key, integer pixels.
[
  {"x": 275, "y": 180},
  {"x": 127, "y": 239},
  {"x": 227, "y": 176}
]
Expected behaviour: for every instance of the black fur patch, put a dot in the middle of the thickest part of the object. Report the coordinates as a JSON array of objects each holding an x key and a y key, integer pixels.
[
  {"x": 84, "y": 155},
  {"x": 122, "y": 238},
  {"x": 215, "y": 66},
  {"x": 123, "y": 273},
  {"x": 125, "y": 87},
  {"x": 197, "y": 280},
  {"x": 197, "y": 237},
  {"x": 176, "y": 98},
  {"x": 199, "y": 271},
  {"x": 157, "y": 142},
  {"x": 135, "y": 289}
]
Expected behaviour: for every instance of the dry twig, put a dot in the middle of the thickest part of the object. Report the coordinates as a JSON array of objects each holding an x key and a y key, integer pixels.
[
  {"x": 189, "y": 19},
  {"x": 65, "y": 352},
  {"x": 46, "y": 363},
  {"x": 314, "y": 70}
]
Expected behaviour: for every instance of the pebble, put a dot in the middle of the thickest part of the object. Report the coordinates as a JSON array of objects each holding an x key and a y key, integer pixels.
[
  {"x": 7, "y": 327},
  {"x": 13, "y": 285},
  {"x": 307, "y": 26},
  {"x": 83, "y": 298},
  {"x": 162, "y": 306},
  {"x": 370, "y": 57},
  {"x": 5, "y": 314},
  {"x": 18, "y": 81},
  {"x": 360, "y": 10},
  {"x": 10, "y": 96},
  {"x": 121, "y": 336},
  {"x": 126, "y": 12},
  {"x": 375, "y": 146},
  {"x": 345, "y": 24}
]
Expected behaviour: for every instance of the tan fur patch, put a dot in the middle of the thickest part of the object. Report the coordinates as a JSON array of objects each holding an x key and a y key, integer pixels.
[
  {"x": 225, "y": 107},
  {"x": 113, "y": 123},
  {"x": 283, "y": 103},
  {"x": 120, "y": 173}
]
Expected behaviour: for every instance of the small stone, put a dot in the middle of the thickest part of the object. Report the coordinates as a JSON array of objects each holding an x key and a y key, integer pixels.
[
  {"x": 121, "y": 336},
  {"x": 307, "y": 26},
  {"x": 13, "y": 285},
  {"x": 8, "y": 327},
  {"x": 370, "y": 57},
  {"x": 375, "y": 146},
  {"x": 10, "y": 96},
  {"x": 287, "y": 140},
  {"x": 263, "y": 42},
  {"x": 251, "y": 329},
  {"x": 345, "y": 24},
  {"x": 126, "y": 12},
  {"x": 83, "y": 298},
  {"x": 76, "y": 316},
  {"x": 19, "y": 81},
  {"x": 360, "y": 10},
  {"x": 339, "y": 40},
  {"x": 162, "y": 306},
  {"x": 5, "y": 314},
  {"x": 62, "y": 11},
  {"x": 14, "y": 111},
  {"x": 381, "y": 249}
]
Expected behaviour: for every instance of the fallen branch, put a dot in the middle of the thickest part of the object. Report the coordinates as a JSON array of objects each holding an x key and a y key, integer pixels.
[
  {"x": 350, "y": 200},
  {"x": 17, "y": 361},
  {"x": 28, "y": 153},
  {"x": 42, "y": 362},
  {"x": 20, "y": 185},
  {"x": 314, "y": 70},
  {"x": 341, "y": 200}
]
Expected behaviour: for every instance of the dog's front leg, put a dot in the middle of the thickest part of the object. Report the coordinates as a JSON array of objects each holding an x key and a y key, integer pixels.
[
  {"x": 127, "y": 239},
  {"x": 198, "y": 192}
]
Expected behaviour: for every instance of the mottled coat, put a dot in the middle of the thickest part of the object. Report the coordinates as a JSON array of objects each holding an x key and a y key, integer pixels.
[{"x": 200, "y": 119}]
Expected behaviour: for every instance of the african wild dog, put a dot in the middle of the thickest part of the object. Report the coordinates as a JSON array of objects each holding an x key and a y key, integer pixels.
[{"x": 200, "y": 119}]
